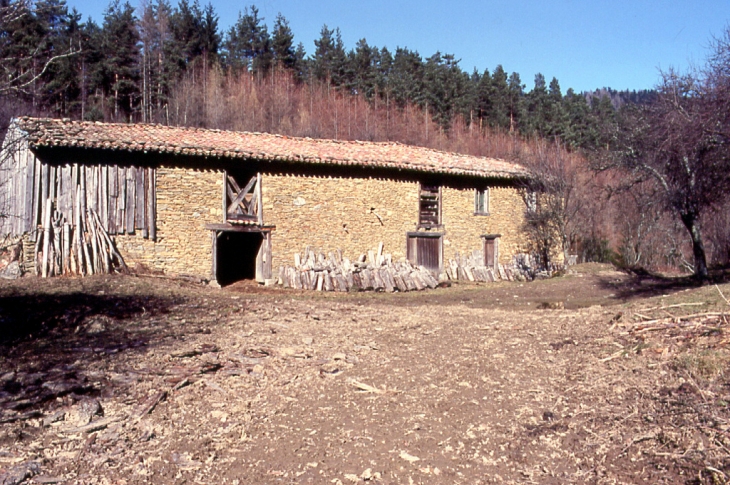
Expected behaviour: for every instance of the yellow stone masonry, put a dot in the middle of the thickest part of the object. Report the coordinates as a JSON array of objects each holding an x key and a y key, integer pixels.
[
  {"x": 352, "y": 214},
  {"x": 187, "y": 200},
  {"x": 330, "y": 213},
  {"x": 463, "y": 229}
]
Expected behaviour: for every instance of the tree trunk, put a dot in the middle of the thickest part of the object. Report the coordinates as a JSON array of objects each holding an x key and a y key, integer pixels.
[{"x": 692, "y": 223}]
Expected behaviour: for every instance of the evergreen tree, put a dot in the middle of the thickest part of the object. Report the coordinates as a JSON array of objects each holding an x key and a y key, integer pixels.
[
  {"x": 484, "y": 95},
  {"x": 62, "y": 80},
  {"x": 537, "y": 107},
  {"x": 92, "y": 72},
  {"x": 57, "y": 87},
  {"x": 28, "y": 34},
  {"x": 499, "y": 112},
  {"x": 579, "y": 131},
  {"x": 186, "y": 29},
  {"x": 515, "y": 90},
  {"x": 282, "y": 43},
  {"x": 405, "y": 78},
  {"x": 248, "y": 44},
  {"x": 118, "y": 75},
  {"x": 604, "y": 119},
  {"x": 210, "y": 39},
  {"x": 301, "y": 66},
  {"x": 329, "y": 60},
  {"x": 363, "y": 69},
  {"x": 447, "y": 88},
  {"x": 557, "y": 117},
  {"x": 385, "y": 66}
]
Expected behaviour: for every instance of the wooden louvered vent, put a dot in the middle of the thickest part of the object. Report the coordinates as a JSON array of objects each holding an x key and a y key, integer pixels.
[{"x": 429, "y": 214}]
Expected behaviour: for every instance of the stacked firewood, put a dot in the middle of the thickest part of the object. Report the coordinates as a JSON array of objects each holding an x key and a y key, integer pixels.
[
  {"x": 79, "y": 247},
  {"x": 313, "y": 270},
  {"x": 471, "y": 267}
]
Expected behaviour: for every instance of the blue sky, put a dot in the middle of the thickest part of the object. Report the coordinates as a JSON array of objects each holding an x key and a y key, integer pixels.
[{"x": 585, "y": 44}]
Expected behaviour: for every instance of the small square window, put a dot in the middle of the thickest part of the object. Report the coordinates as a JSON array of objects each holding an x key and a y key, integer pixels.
[{"x": 481, "y": 202}]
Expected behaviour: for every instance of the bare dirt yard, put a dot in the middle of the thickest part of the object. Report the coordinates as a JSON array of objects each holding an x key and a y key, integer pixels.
[{"x": 595, "y": 377}]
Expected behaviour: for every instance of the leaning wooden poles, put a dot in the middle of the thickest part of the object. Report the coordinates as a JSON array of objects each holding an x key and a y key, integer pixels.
[{"x": 81, "y": 247}]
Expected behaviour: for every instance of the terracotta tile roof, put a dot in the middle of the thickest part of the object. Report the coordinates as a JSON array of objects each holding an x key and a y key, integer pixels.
[{"x": 45, "y": 132}]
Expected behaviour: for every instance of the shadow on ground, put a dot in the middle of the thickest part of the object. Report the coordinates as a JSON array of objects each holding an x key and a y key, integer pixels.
[
  {"x": 52, "y": 344},
  {"x": 36, "y": 316},
  {"x": 642, "y": 284}
]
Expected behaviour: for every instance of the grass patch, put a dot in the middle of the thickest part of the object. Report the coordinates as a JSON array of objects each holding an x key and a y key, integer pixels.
[{"x": 707, "y": 364}]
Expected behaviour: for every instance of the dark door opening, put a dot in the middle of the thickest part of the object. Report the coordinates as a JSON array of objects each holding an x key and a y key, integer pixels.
[{"x": 236, "y": 256}]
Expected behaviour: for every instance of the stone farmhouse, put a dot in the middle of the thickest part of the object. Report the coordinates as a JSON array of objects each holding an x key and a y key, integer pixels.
[{"x": 228, "y": 205}]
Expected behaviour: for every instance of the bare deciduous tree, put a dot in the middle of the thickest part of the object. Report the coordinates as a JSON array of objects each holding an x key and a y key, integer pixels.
[
  {"x": 553, "y": 198},
  {"x": 680, "y": 141}
]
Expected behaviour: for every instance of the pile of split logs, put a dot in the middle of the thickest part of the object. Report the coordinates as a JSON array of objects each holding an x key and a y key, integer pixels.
[
  {"x": 471, "y": 268},
  {"x": 374, "y": 271},
  {"x": 81, "y": 247},
  {"x": 377, "y": 271}
]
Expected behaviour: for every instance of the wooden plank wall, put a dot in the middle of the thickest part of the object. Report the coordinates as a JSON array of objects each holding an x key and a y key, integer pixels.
[
  {"x": 123, "y": 197},
  {"x": 71, "y": 210},
  {"x": 19, "y": 174}
]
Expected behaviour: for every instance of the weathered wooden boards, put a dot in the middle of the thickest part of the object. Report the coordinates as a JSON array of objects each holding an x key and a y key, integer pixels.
[
  {"x": 70, "y": 210},
  {"x": 244, "y": 204},
  {"x": 122, "y": 196},
  {"x": 374, "y": 271},
  {"x": 19, "y": 171}
]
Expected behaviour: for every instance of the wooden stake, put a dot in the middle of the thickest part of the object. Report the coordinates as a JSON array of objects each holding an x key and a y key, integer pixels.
[
  {"x": 46, "y": 236},
  {"x": 67, "y": 248}
]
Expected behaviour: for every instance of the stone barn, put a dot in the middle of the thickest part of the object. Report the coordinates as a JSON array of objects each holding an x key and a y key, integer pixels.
[{"x": 226, "y": 206}]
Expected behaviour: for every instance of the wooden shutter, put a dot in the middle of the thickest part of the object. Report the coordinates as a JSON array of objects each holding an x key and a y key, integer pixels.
[{"x": 481, "y": 201}]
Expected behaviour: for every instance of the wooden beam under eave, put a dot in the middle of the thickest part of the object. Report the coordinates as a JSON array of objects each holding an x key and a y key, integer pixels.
[{"x": 239, "y": 228}]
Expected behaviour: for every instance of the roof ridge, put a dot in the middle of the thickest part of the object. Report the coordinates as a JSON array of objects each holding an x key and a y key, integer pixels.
[
  {"x": 257, "y": 133},
  {"x": 245, "y": 145}
]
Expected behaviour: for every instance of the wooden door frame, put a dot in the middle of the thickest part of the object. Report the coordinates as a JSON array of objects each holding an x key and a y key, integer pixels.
[
  {"x": 495, "y": 239},
  {"x": 235, "y": 199},
  {"x": 263, "y": 257}
]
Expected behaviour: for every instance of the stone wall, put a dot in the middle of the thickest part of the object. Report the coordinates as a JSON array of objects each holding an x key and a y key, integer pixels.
[
  {"x": 187, "y": 200},
  {"x": 330, "y": 213},
  {"x": 356, "y": 214},
  {"x": 352, "y": 214},
  {"x": 463, "y": 229}
]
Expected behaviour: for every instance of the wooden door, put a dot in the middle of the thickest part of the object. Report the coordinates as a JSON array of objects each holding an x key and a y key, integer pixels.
[
  {"x": 425, "y": 249},
  {"x": 491, "y": 252},
  {"x": 263, "y": 258}
]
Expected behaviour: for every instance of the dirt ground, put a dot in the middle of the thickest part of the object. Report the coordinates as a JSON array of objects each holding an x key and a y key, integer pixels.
[{"x": 595, "y": 377}]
